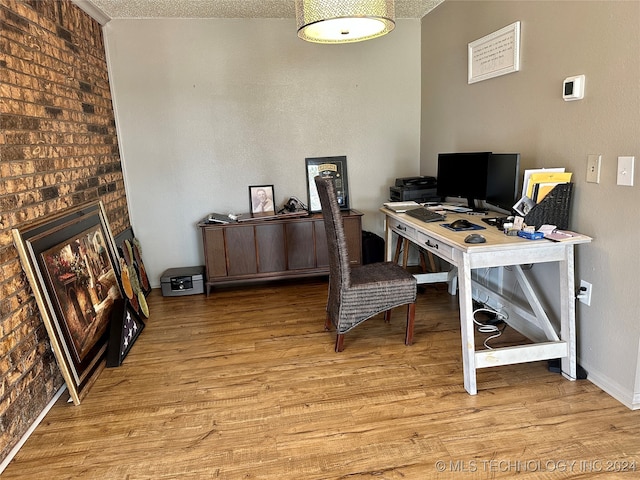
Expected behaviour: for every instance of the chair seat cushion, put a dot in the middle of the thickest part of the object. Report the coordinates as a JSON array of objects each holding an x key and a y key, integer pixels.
[
  {"x": 382, "y": 273},
  {"x": 374, "y": 288}
]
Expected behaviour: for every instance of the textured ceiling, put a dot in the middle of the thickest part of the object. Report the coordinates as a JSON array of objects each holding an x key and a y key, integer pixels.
[{"x": 226, "y": 8}]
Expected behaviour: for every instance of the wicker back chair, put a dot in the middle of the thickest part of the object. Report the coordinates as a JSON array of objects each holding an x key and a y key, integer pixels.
[{"x": 357, "y": 294}]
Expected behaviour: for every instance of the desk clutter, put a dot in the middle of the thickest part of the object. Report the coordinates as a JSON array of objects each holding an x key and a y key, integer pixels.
[
  {"x": 516, "y": 226},
  {"x": 546, "y": 197},
  {"x": 553, "y": 209},
  {"x": 546, "y": 202},
  {"x": 547, "y": 219}
]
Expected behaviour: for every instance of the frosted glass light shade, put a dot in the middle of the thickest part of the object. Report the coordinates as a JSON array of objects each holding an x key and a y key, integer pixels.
[{"x": 344, "y": 21}]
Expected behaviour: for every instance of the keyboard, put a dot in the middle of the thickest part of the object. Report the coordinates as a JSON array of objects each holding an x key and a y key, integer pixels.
[{"x": 425, "y": 215}]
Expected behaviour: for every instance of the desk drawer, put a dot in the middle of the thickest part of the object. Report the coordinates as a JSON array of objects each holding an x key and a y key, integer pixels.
[
  {"x": 434, "y": 246},
  {"x": 403, "y": 230}
]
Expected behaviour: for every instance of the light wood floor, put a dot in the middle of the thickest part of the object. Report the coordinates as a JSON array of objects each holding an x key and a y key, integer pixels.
[{"x": 245, "y": 385}]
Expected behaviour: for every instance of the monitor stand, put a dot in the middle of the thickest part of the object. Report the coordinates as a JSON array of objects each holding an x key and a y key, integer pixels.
[{"x": 471, "y": 202}]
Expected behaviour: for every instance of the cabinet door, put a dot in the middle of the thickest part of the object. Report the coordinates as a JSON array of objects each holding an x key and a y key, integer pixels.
[
  {"x": 322, "y": 253},
  {"x": 353, "y": 236},
  {"x": 270, "y": 244},
  {"x": 214, "y": 254},
  {"x": 300, "y": 252},
  {"x": 241, "y": 250}
]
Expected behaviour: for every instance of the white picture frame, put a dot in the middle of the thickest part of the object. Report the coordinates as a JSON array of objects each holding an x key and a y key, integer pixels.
[{"x": 495, "y": 54}]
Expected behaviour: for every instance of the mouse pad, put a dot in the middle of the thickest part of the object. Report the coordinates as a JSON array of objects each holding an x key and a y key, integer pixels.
[{"x": 473, "y": 226}]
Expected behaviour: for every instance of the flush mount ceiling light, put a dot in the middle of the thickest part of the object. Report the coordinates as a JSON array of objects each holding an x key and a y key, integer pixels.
[{"x": 344, "y": 21}]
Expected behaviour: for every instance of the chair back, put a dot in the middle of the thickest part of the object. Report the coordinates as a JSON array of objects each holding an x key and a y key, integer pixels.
[{"x": 339, "y": 267}]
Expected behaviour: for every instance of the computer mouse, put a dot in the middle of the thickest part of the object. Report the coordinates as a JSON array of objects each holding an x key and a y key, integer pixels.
[
  {"x": 475, "y": 238},
  {"x": 462, "y": 223}
]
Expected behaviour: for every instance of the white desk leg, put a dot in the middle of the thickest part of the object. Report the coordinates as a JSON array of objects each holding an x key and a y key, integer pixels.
[
  {"x": 466, "y": 326},
  {"x": 568, "y": 313},
  {"x": 388, "y": 240},
  {"x": 452, "y": 280}
]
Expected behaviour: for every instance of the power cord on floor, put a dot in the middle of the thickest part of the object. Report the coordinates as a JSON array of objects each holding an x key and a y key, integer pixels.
[{"x": 491, "y": 329}]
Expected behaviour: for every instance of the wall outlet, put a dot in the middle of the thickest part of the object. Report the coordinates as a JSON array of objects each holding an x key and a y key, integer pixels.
[
  {"x": 584, "y": 295},
  {"x": 593, "y": 168}
]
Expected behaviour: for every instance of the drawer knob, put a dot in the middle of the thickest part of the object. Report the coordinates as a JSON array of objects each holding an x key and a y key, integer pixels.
[
  {"x": 400, "y": 227},
  {"x": 432, "y": 245}
]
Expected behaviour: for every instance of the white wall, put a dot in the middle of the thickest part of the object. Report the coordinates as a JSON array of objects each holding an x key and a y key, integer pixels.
[
  {"x": 206, "y": 108},
  {"x": 524, "y": 112}
]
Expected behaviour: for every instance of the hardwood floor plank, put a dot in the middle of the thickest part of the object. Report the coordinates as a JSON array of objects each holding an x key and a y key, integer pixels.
[{"x": 245, "y": 384}]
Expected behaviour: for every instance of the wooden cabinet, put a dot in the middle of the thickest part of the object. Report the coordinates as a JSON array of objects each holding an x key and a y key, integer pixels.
[{"x": 273, "y": 249}]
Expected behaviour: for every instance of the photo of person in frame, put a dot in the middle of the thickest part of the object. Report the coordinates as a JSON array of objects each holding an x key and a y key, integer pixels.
[{"x": 262, "y": 199}]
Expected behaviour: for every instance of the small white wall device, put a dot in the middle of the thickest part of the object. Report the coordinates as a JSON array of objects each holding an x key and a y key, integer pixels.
[{"x": 573, "y": 88}]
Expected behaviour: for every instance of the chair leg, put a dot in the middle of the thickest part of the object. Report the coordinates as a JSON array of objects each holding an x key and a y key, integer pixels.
[
  {"x": 396, "y": 256},
  {"x": 327, "y": 323},
  {"x": 411, "y": 315},
  {"x": 340, "y": 342},
  {"x": 387, "y": 316}
]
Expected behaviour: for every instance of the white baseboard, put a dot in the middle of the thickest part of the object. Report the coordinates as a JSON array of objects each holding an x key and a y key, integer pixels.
[
  {"x": 31, "y": 429},
  {"x": 623, "y": 395}
]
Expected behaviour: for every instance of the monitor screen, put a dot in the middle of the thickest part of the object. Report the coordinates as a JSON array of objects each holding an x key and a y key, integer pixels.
[
  {"x": 463, "y": 175},
  {"x": 503, "y": 180}
]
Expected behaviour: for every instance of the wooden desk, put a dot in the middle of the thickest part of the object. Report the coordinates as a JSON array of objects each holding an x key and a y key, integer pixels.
[{"x": 499, "y": 250}]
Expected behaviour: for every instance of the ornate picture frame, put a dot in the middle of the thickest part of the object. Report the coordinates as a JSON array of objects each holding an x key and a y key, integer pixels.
[
  {"x": 333, "y": 167},
  {"x": 71, "y": 264}
]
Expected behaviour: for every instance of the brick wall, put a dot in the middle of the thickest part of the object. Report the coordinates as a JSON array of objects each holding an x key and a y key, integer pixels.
[{"x": 58, "y": 148}]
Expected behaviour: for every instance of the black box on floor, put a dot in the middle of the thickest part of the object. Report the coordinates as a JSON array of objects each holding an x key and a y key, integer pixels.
[
  {"x": 372, "y": 248},
  {"x": 182, "y": 281}
]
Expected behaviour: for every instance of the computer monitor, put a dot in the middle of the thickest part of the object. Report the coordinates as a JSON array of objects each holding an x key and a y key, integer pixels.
[
  {"x": 463, "y": 175},
  {"x": 503, "y": 180}
]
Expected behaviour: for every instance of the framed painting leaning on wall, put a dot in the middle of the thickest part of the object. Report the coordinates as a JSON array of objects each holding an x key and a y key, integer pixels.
[{"x": 71, "y": 263}]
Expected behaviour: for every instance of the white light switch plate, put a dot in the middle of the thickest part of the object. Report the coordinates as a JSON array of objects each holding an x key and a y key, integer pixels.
[{"x": 625, "y": 171}]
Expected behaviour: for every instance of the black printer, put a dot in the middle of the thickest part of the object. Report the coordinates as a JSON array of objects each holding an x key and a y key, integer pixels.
[{"x": 419, "y": 189}]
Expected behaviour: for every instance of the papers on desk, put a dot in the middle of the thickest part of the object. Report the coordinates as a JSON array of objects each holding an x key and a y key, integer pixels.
[
  {"x": 401, "y": 207},
  {"x": 526, "y": 189},
  {"x": 453, "y": 208},
  {"x": 552, "y": 233},
  {"x": 539, "y": 182}
]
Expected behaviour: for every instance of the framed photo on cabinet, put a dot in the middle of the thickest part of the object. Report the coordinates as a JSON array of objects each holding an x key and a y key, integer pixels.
[{"x": 261, "y": 200}]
